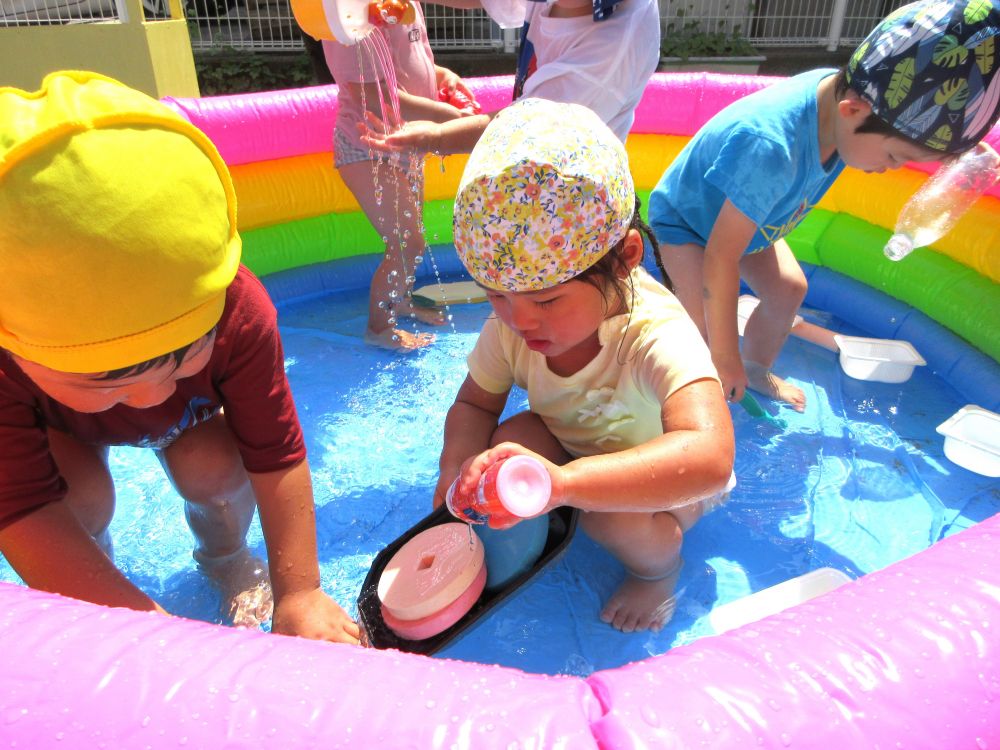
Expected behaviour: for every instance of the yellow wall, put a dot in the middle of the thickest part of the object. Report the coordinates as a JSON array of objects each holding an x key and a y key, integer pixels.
[{"x": 154, "y": 57}]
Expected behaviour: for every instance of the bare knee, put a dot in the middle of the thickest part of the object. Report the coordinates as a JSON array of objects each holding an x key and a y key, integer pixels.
[
  {"x": 623, "y": 533},
  {"x": 795, "y": 287},
  {"x": 204, "y": 464},
  {"x": 528, "y": 429}
]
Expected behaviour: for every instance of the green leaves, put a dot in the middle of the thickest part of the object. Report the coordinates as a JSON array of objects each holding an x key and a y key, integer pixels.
[
  {"x": 986, "y": 55},
  {"x": 953, "y": 93},
  {"x": 900, "y": 82},
  {"x": 977, "y": 10},
  {"x": 948, "y": 52},
  {"x": 689, "y": 39}
]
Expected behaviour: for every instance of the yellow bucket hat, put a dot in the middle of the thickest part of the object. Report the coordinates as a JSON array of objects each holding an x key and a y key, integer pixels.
[
  {"x": 546, "y": 193},
  {"x": 117, "y": 226}
]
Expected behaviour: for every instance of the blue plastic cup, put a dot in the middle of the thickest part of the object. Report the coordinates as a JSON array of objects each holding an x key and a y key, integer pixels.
[{"x": 511, "y": 552}]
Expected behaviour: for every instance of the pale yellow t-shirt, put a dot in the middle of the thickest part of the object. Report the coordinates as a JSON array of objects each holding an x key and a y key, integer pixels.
[{"x": 615, "y": 401}]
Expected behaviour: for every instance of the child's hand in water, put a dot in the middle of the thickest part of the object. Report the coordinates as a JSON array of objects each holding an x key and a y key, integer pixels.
[
  {"x": 420, "y": 135},
  {"x": 313, "y": 614}
]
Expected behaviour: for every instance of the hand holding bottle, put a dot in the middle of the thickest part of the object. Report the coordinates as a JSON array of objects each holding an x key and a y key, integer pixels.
[{"x": 508, "y": 490}]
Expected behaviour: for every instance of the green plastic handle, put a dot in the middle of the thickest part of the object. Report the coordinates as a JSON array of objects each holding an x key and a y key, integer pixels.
[{"x": 754, "y": 409}]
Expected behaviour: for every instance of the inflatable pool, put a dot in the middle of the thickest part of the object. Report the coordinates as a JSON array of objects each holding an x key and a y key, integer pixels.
[{"x": 903, "y": 657}]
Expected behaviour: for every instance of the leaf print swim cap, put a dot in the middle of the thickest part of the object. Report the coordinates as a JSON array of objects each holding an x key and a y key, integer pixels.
[{"x": 929, "y": 70}]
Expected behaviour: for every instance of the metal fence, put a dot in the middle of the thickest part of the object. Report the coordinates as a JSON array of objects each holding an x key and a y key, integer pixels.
[
  {"x": 782, "y": 23},
  {"x": 268, "y": 25}
]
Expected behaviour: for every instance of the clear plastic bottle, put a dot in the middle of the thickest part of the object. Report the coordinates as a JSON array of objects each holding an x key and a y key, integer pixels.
[{"x": 939, "y": 203}]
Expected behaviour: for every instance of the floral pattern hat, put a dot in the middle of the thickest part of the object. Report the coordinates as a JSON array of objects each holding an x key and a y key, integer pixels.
[
  {"x": 929, "y": 70},
  {"x": 546, "y": 193}
]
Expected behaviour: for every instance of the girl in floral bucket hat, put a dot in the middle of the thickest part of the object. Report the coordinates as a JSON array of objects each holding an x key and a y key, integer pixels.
[
  {"x": 625, "y": 409},
  {"x": 922, "y": 86}
]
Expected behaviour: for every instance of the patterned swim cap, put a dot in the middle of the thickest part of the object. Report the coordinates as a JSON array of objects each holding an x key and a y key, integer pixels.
[
  {"x": 546, "y": 193},
  {"x": 929, "y": 70}
]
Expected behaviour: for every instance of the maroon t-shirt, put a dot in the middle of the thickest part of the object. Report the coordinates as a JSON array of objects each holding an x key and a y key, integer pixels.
[{"x": 245, "y": 376}]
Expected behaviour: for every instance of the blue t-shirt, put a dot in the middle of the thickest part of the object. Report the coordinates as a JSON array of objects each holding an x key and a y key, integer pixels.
[{"x": 762, "y": 153}]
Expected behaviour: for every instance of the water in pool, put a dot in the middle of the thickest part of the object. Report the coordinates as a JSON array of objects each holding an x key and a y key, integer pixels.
[{"x": 856, "y": 483}]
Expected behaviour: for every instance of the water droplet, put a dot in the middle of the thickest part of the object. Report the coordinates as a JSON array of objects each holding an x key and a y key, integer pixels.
[{"x": 649, "y": 716}]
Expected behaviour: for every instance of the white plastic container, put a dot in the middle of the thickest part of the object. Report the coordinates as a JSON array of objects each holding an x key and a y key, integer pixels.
[
  {"x": 745, "y": 305},
  {"x": 972, "y": 439},
  {"x": 881, "y": 360},
  {"x": 776, "y": 599}
]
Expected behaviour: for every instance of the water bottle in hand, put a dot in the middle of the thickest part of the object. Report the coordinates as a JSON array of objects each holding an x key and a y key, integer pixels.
[
  {"x": 511, "y": 489},
  {"x": 940, "y": 202}
]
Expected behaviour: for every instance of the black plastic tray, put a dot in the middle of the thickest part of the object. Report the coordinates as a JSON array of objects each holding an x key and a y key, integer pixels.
[{"x": 562, "y": 525}]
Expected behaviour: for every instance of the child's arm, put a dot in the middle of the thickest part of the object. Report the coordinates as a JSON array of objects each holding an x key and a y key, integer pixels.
[
  {"x": 411, "y": 107},
  {"x": 449, "y": 82},
  {"x": 692, "y": 459},
  {"x": 51, "y": 551},
  {"x": 468, "y": 428},
  {"x": 730, "y": 236},
  {"x": 288, "y": 519},
  {"x": 457, "y": 136}
]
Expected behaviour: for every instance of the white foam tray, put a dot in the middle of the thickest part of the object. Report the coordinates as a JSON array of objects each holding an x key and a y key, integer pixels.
[
  {"x": 972, "y": 439},
  {"x": 880, "y": 360},
  {"x": 745, "y": 305},
  {"x": 776, "y": 599}
]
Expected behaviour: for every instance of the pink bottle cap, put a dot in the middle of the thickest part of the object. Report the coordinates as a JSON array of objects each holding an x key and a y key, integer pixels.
[{"x": 524, "y": 486}]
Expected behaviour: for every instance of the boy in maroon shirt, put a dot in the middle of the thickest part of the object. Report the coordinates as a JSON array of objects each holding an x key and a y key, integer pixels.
[{"x": 126, "y": 319}]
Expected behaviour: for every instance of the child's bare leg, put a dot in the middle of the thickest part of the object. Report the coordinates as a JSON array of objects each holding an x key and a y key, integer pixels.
[
  {"x": 685, "y": 267},
  {"x": 649, "y": 546},
  {"x": 396, "y": 217},
  {"x": 207, "y": 471},
  {"x": 90, "y": 488},
  {"x": 526, "y": 428},
  {"x": 775, "y": 275}
]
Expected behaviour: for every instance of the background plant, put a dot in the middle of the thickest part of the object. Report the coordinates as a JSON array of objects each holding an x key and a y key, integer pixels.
[
  {"x": 686, "y": 37},
  {"x": 236, "y": 72}
]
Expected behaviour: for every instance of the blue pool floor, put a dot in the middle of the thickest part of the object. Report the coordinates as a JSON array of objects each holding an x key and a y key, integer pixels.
[{"x": 856, "y": 483}]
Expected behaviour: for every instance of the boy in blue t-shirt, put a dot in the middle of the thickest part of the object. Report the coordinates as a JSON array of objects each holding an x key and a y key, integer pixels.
[{"x": 921, "y": 87}]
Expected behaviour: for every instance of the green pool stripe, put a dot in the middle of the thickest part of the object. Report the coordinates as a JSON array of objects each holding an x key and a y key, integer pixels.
[
  {"x": 329, "y": 237},
  {"x": 949, "y": 292},
  {"x": 945, "y": 290}
]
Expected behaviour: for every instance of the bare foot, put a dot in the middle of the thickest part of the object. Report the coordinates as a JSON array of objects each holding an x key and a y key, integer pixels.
[
  {"x": 767, "y": 383},
  {"x": 245, "y": 587},
  {"x": 398, "y": 340},
  {"x": 642, "y": 604},
  {"x": 433, "y": 316}
]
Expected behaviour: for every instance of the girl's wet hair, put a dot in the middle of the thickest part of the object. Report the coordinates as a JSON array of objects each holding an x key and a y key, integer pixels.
[
  {"x": 610, "y": 272},
  {"x": 176, "y": 357}
]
